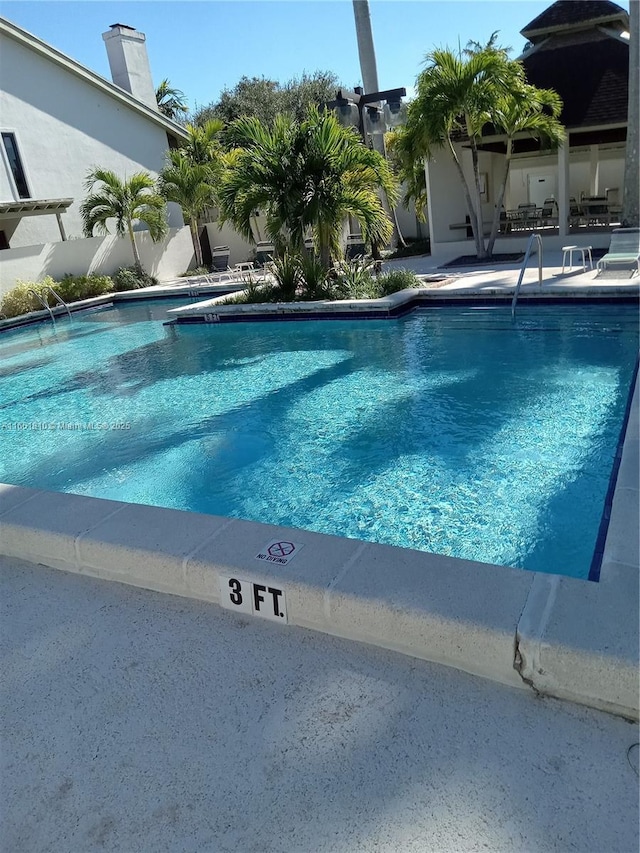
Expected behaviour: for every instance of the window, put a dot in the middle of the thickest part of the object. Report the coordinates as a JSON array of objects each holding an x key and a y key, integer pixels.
[{"x": 9, "y": 142}]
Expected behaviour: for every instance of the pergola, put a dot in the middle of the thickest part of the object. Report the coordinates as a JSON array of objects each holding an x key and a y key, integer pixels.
[{"x": 16, "y": 210}]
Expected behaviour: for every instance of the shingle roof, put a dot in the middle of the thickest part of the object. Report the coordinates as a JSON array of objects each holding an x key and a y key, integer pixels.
[
  {"x": 592, "y": 78},
  {"x": 571, "y": 12}
]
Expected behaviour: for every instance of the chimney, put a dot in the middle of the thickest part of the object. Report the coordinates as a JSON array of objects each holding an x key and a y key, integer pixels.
[{"x": 129, "y": 63}]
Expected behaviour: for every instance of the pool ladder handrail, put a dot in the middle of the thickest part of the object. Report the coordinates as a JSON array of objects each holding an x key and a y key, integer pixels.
[
  {"x": 538, "y": 239},
  {"x": 45, "y": 304}
]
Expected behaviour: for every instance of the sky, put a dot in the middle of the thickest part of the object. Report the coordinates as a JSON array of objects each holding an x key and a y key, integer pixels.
[{"x": 205, "y": 47}]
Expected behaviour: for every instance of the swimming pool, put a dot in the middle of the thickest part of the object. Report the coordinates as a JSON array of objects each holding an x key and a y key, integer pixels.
[{"x": 449, "y": 430}]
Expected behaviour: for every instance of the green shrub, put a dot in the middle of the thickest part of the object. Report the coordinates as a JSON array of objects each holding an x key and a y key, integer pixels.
[
  {"x": 354, "y": 279},
  {"x": 18, "y": 301},
  {"x": 395, "y": 280},
  {"x": 193, "y": 272},
  {"x": 286, "y": 271},
  {"x": 73, "y": 288},
  {"x": 254, "y": 293},
  {"x": 314, "y": 278},
  {"x": 130, "y": 278}
]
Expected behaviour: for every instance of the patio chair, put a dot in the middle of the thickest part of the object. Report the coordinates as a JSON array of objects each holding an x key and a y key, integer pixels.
[
  {"x": 220, "y": 269},
  {"x": 623, "y": 249},
  {"x": 575, "y": 212},
  {"x": 549, "y": 212},
  {"x": 220, "y": 259}
]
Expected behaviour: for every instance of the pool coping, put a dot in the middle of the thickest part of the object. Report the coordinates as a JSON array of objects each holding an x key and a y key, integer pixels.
[
  {"x": 394, "y": 306},
  {"x": 572, "y": 639},
  {"x": 214, "y": 311}
]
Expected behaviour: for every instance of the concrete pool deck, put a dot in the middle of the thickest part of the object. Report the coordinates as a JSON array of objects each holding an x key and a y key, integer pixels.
[
  {"x": 493, "y": 282},
  {"x": 135, "y": 721}
]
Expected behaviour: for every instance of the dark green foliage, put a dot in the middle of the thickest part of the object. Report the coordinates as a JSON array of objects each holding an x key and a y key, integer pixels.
[
  {"x": 193, "y": 272},
  {"x": 395, "y": 280},
  {"x": 264, "y": 99},
  {"x": 131, "y": 278},
  {"x": 303, "y": 279}
]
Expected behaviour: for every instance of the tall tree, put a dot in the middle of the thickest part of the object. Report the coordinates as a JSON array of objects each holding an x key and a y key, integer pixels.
[
  {"x": 459, "y": 95},
  {"x": 191, "y": 186},
  {"x": 203, "y": 143},
  {"x": 630, "y": 204},
  {"x": 171, "y": 102},
  {"x": 306, "y": 176},
  {"x": 265, "y": 99},
  {"x": 126, "y": 201}
]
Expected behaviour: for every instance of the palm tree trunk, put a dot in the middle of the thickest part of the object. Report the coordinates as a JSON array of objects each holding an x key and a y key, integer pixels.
[
  {"x": 467, "y": 195},
  {"x": 197, "y": 248},
  {"x": 136, "y": 257},
  {"x": 495, "y": 225},
  {"x": 478, "y": 205},
  {"x": 324, "y": 246}
]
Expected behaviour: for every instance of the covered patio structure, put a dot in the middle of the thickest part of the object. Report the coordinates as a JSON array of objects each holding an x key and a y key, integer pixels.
[
  {"x": 12, "y": 212},
  {"x": 580, "y": 49}
]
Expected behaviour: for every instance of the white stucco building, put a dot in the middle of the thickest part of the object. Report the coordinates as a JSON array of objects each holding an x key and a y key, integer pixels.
[{"x": 58, "y": 120}]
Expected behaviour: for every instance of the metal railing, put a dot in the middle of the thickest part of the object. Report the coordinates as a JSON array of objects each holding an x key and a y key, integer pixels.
[
  {"x": 58, "y": 298},
  {"x": 45, "y": 304},
  {"x": 42, "y": 302},
  {"x": 537, "y": 238}
]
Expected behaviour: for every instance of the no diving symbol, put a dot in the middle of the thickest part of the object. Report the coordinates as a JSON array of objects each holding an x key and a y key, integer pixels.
[
  {"x": 278, "y": 552},
  {"x": 281, "y": 549}
]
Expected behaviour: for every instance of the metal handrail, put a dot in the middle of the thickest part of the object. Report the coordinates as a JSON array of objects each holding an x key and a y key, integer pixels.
[
  {"x": 58, "y": 298},
  {"x": 42, "y": 302},
  {"x": 538, "y": 239}
]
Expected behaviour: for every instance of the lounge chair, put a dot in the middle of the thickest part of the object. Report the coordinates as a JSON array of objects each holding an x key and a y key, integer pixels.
[
  {"x": 220, "y": 270},
  {"x": 623, "y": 249}
]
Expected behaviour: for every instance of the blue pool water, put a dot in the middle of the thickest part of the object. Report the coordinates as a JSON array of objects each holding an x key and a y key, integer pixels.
[{"x": 449, "y": 431}]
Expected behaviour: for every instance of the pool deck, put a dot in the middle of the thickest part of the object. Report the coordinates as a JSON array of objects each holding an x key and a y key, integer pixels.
[
  {"x": 136, "y": 721},
  {"x": 490, "y": 283}
]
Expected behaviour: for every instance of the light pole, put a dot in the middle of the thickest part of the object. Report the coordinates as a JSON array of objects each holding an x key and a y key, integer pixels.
[
  {"x": 352, "y": 107},
  {"x": 372, "y": 113}
]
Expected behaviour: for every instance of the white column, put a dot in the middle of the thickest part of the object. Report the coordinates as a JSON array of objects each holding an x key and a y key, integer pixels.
[
  {"x": 594, "y": 170},
  {"x": 563, "y": 188},
  {"x": 63, "y": 234}
]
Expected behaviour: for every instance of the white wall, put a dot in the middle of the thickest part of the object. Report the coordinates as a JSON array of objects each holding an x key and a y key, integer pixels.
[
  {"x": 611, "y": 172},
  {"x": 445, "y": 198},
  {"x": 64, "y": 127},
  {"x": 239, "y": 249},
  {"x": 165, "y": 260}
]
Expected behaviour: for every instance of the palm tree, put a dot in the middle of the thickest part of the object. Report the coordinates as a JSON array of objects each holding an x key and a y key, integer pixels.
[
  {"x": 171, "y": 102},
  {"x": 190, "y": 185},
  {"x": 454, "y": 97},
  {"x": 203, "y": 143},
  {"x": 410, "y": 171},
  {"x": 126, "y": 201},
  {"x": 306, "y": 176},
  {"x": 524, "y": 109}
]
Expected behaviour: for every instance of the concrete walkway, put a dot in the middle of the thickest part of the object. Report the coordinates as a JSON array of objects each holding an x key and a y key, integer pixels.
[
  {"x": 504, "y": 276},
  {"x": 136, "y": 721}
]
